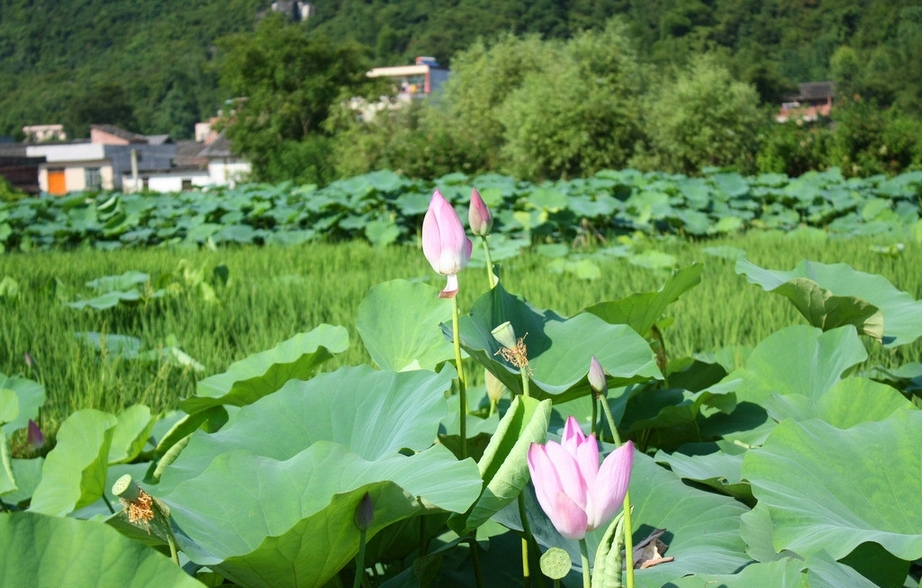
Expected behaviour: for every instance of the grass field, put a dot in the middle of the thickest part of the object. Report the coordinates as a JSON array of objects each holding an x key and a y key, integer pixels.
[{"x": 274, "y": 292}]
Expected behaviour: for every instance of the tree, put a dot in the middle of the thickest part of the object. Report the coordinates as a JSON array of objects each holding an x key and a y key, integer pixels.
[
  {"x": 699, "y": 117},
  {"x": 579, "y": 113},
  {"x": 284, "y": 82}
]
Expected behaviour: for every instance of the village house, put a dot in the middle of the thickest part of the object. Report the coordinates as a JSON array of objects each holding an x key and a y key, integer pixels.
[
  {"x": 116, "y": 159},
  {"x": 813, "y": 100}
]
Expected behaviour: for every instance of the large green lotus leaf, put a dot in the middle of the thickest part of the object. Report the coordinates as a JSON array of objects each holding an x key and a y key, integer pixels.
[
  {"x": 798, "y": 360},
  {"x": 826, "y": 311},
  {"x": 559, "y": 350},
  {"x": 702, "y": 528},
  {"x": 266, "y": 522},
  {"x": 9, "y": 405},
  {"x": 30, "y": 397},
  {"x": 125, "y": 281},
  {"x": 74, "y": 473},
  {"x": 832, "y": 489},
  {"x": 27, "y": 473},
  {"x": 373, "y": 413},
  {"x": 902, "y": 315},
  {"x": 131, "y": 433},
  {"x": 7, "y": 476},
  {"x": 263, "y": 373},
  {"x": 399, "y": 324},
  {"x": 504, "y": 465},
  {"x": 642, "y": 310},
  {"x": 39, "y": 550},
  {"x": 849, "y": 402},
  {"x": 719, "y": 470},
  {"x": 816, "y": 572}
]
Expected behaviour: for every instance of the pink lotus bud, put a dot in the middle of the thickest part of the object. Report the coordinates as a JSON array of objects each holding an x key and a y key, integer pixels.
[
  {"x": 444, "y": 243},
  {"x": 35, "y": 437},
  {"x": 479, "y": 215},
  {"x": 573, "y": 490},
  {"x": 597, "y": 378}
]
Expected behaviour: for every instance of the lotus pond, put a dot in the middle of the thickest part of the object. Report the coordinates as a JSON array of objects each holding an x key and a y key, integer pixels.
[{"x": 772, "y": 402}]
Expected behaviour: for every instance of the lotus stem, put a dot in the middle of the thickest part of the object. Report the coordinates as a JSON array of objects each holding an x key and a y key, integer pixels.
[
  {"x": 462, "y": 391},
  {"x": 526, "y": 529},
  {"x": 360, "y": 561},
  {"x": 486, "y": 250},
  {"x": 584, "y": 555},
  {"x": 628, "y": 526}
]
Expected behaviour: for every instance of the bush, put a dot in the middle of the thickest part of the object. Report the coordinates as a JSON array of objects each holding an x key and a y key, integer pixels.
[
  {"x": 701, "y": 117},
  {"x": 794, "y": 148}
]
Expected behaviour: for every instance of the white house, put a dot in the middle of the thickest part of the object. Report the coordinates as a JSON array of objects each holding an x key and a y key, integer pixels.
[{"x": 101, "y": 162}]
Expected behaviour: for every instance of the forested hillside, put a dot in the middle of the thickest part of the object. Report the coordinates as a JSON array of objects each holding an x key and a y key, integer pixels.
[
  {"x": 142, "y": 65},
  {"x": 151, "y": 67}
]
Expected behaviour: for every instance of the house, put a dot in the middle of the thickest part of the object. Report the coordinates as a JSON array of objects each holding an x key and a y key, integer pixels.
[
  {"x": 101, "y": 162},
  {"x": 18, "y": 169},
  {"x": 813, "y": 100},
  {"x": 195, "y": 165},
  {"x": 414, "y": 81}
]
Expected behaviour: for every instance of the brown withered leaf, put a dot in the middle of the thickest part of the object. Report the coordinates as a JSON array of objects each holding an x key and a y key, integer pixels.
[{"x": 649, "y": 552}]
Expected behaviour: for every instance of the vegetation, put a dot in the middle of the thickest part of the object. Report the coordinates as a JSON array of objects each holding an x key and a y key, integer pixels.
[{"x": 557, "y": 103}]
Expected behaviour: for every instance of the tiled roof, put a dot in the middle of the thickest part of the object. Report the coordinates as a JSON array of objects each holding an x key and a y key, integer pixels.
[{"x": 120, "y": 133}]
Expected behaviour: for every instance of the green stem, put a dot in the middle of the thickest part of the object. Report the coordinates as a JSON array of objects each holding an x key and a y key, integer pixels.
[
  {"x": 486, "y": 251},
  {"x": 628, "y": 526},
  {"x": 524, "y": 372},
  {"x": 109, "y": 504},
  {"x": 584, "y": 554},
  {"x": 475, "y": 559},
  {"x": 595, "y": 416},
  {"x": 173, "y": 553},
  {"x": 462, "y": 392},
  {"x": 526, "y": 530},
  {"x": 360, "y": 561}
]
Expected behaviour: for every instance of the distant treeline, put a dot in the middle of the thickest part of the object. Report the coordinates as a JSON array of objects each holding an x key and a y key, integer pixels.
[{"x": 539, "y": 89}]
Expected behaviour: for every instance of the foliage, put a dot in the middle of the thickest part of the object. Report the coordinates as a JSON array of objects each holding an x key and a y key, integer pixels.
[
  {"x": 285, "y": 81},
  {"x": 701, "y": 117},
  {"x": 578, "y": 114}
]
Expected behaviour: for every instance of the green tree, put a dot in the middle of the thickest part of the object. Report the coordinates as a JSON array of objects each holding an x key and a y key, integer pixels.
[
  {"x": 577, "y": 115},
  {"x": 699, "y": 117},
  {"x": 284, "y": 82}
]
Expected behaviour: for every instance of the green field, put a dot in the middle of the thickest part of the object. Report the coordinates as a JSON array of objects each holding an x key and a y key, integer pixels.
[{"x": 275, "y": 292}]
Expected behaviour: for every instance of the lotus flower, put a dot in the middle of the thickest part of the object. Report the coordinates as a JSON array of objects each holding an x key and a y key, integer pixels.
[
  {"x": 479, "y": 216},
  {"x": 575, "y": 492},
  {"x": 444, "y": 243}
]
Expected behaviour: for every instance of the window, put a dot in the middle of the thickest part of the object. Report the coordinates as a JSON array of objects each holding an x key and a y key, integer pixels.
[
  {"x": 186, "y": 185},
  {"x": 93, "y": 178}
]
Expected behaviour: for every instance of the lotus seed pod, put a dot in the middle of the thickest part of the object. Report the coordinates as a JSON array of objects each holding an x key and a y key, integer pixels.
[
  {"x": 505, "y": 335},
  {"x": 125, "y": 487}
]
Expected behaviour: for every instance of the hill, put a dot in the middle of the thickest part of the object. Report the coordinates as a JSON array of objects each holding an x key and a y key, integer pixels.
[{"x": 149, "y": 66}]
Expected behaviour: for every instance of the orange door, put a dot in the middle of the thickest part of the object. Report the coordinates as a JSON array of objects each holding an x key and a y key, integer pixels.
[{"x": 56, "y": 184}]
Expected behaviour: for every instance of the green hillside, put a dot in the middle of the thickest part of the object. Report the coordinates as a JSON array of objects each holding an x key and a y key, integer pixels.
[{"x": 149, "y": 66}]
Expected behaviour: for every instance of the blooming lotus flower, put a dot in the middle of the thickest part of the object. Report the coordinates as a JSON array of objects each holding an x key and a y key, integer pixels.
[
  {"x": 479, "y": 216},
  {"x": 444, "y": 243},
  {"x": 575, "y": 492}
]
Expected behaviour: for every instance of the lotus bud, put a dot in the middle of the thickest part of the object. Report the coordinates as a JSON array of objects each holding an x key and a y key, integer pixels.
[
  {"x": 444, "y": 243},
  {"x": 597, "y": 378},
  {"x": 35, "y": 437},
  {"x": 495, "y": 388},
  {"x": 505, "y": 335},
  {"x": 364, "y": 513},
  {"x": 479, "y": 216}
]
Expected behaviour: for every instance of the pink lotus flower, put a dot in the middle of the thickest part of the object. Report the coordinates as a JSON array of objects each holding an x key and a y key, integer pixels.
[
  {"x": 479, "y": 216},
  {"x": 575, "y": 492},
  {"x": 444, "y": 243}
]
